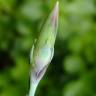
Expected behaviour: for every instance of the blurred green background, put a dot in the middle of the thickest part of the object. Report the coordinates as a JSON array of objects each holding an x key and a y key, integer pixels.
[{"x": 72, "y": 71}]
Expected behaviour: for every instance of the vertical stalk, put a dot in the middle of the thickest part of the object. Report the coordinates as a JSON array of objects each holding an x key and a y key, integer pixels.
[{"x": 32, "y": 90}]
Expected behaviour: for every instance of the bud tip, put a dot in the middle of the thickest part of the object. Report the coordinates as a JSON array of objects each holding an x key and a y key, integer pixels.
[{"x": 57, "y": 3}]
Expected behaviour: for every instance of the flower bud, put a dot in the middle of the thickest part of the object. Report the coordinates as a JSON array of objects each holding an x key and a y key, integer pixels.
[{"x": 43, "y": 48}]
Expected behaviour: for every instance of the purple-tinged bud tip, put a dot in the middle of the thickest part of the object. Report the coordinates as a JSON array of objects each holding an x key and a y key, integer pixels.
[{"x": 55, "y": 13}]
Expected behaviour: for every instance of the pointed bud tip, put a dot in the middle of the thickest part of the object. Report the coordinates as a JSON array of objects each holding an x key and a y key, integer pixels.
[
  {"x": 57, "y": 3},
  {"x": 57, "y": 6},
  {"x": 54, "y": 14}
]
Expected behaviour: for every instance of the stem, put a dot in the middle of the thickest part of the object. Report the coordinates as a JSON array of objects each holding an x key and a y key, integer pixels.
[{"x": 32, "y": 90}]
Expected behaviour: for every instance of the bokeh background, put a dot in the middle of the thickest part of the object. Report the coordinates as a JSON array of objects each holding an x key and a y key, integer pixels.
[{"x": 72, "y": 71}]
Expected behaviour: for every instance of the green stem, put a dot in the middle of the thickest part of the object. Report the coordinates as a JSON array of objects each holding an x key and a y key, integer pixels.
[{"x": 32, "y": 90}]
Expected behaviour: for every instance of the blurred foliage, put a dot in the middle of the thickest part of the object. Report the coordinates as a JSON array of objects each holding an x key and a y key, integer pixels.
[{"x": 72, "y": 71}]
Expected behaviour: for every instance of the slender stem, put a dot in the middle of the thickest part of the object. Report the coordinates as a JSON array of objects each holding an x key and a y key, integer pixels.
[{"x": 32, "y": 90}]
